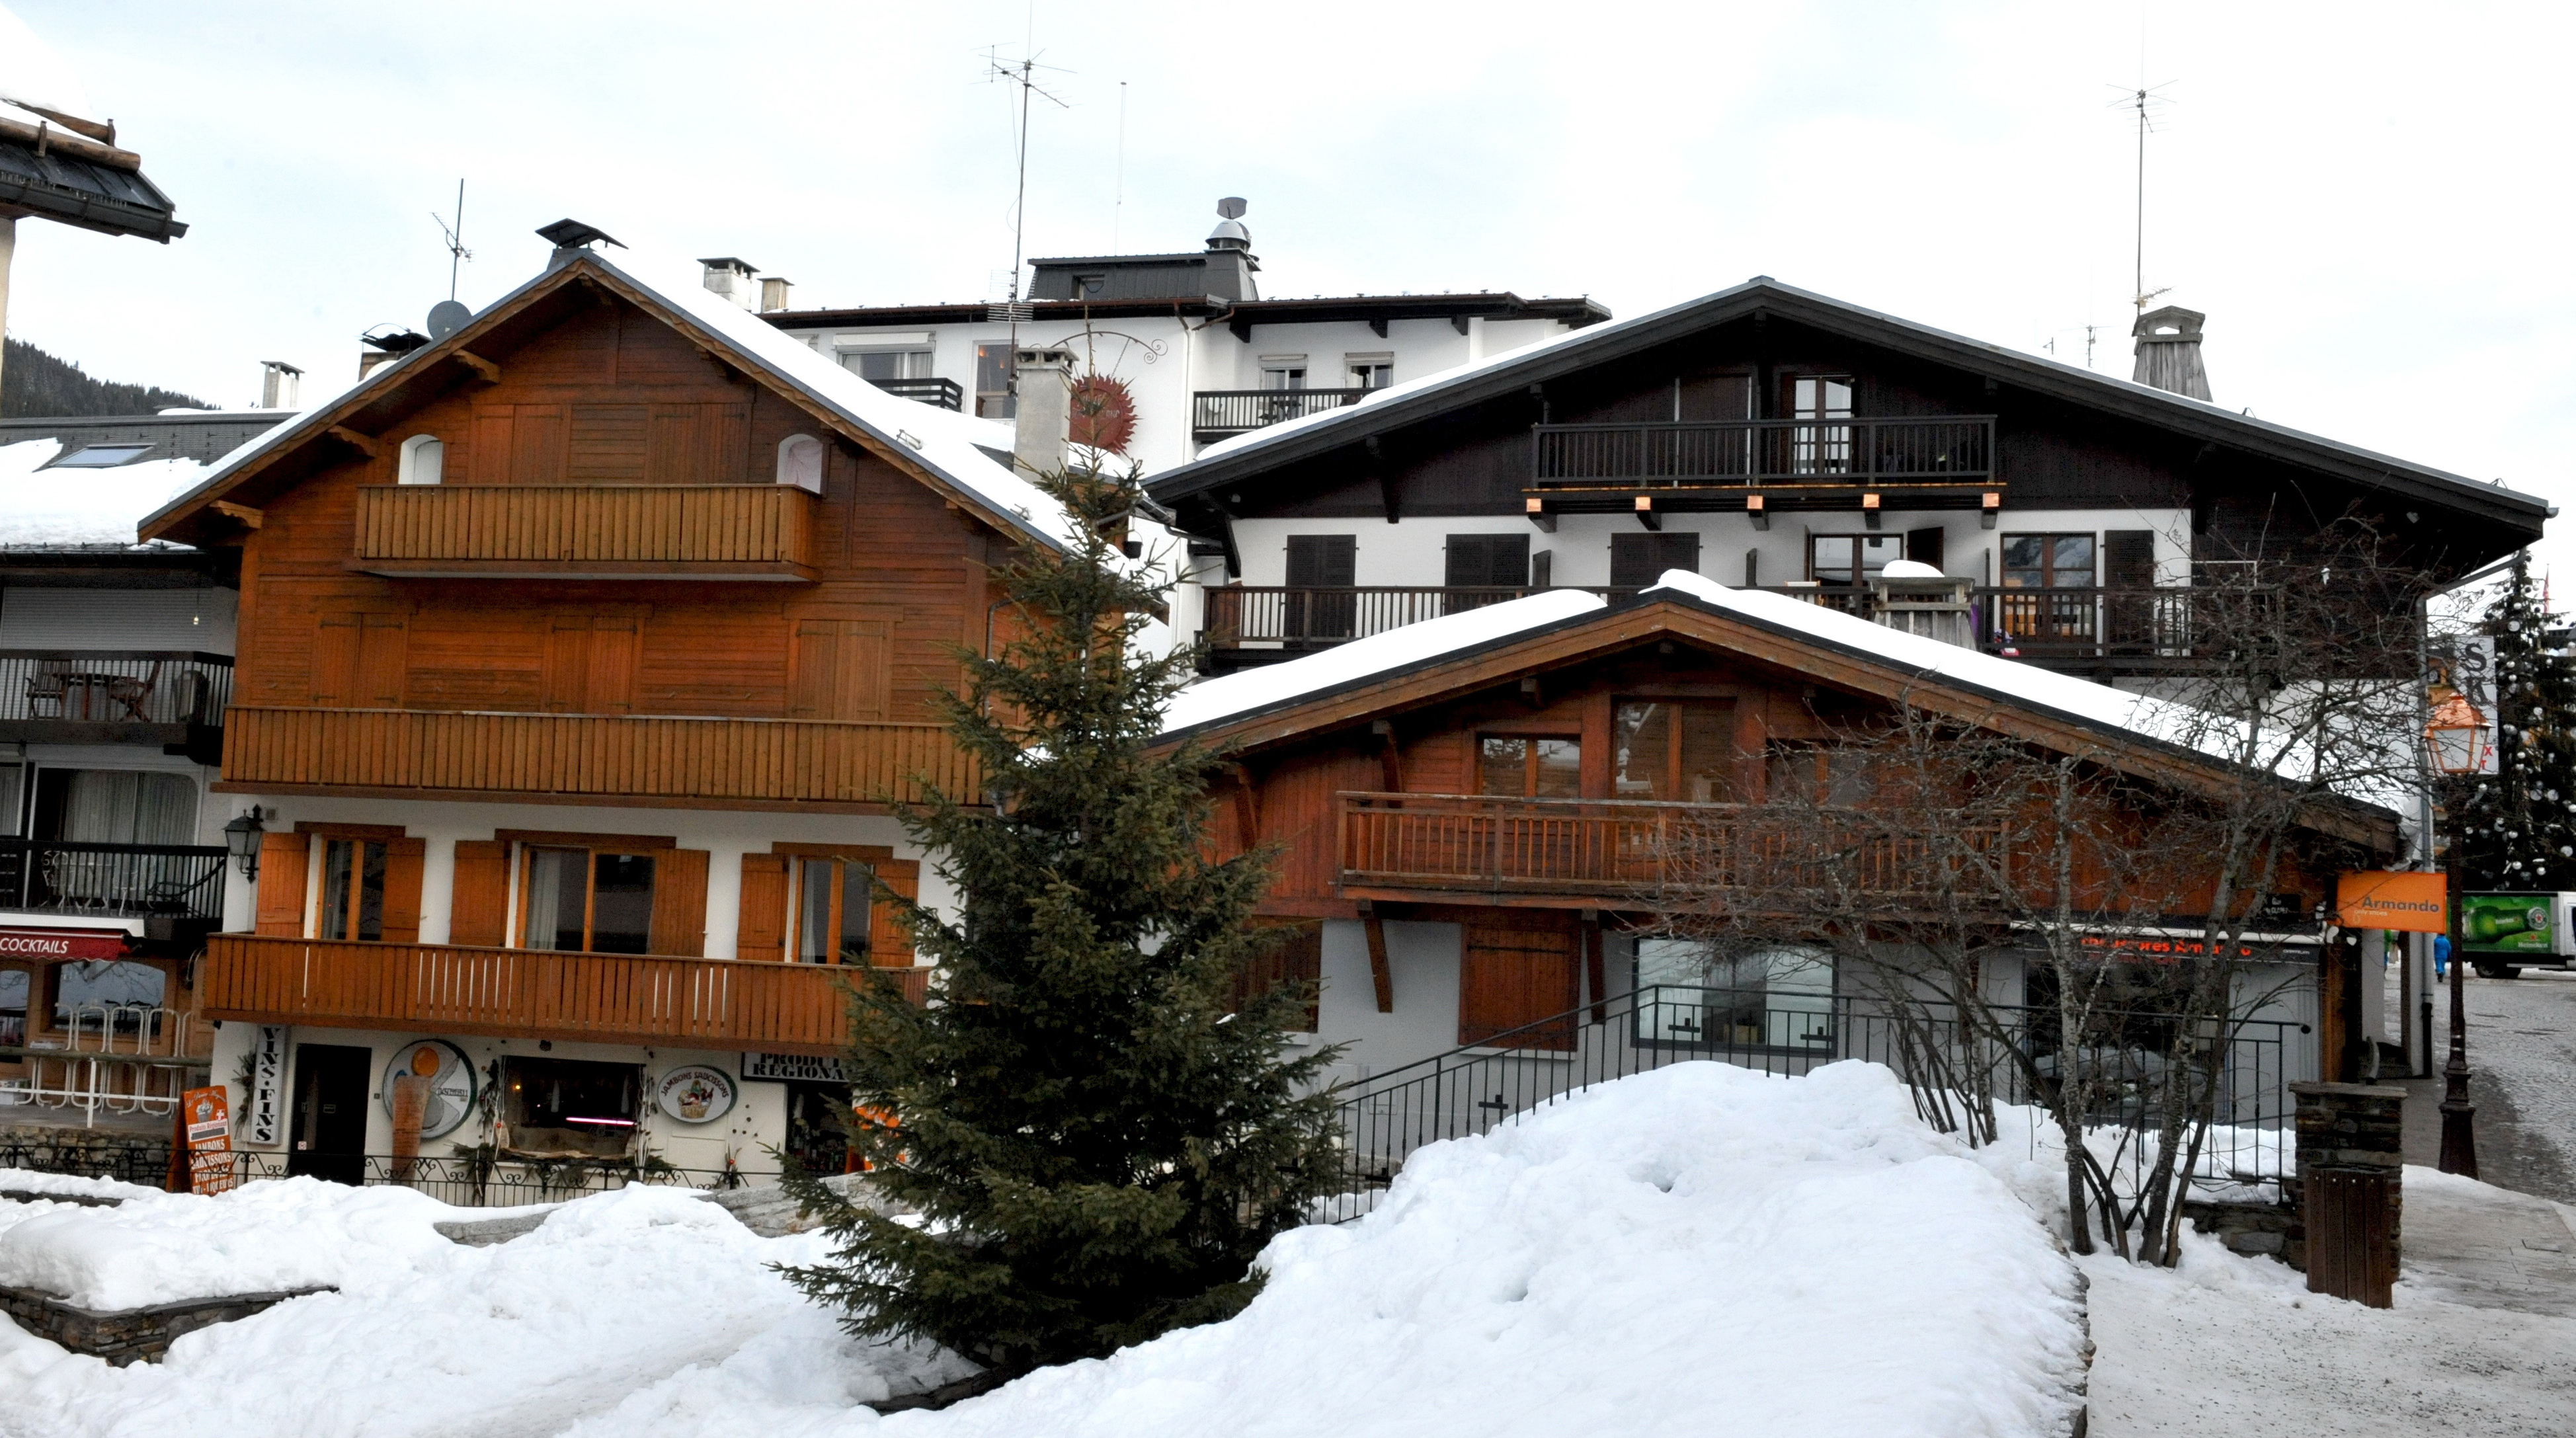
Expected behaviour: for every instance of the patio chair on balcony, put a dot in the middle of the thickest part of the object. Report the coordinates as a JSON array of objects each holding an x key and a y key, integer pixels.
[
  {"x": 45, "y": 691},
  {"x": 131, "y": 693}
]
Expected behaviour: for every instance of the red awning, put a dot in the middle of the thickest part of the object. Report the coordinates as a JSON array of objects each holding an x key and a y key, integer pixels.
[{"x": 63, "y": 943}]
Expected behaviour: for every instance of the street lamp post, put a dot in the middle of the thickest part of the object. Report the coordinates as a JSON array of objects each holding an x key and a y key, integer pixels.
[{"x": 2453, "y": 739}]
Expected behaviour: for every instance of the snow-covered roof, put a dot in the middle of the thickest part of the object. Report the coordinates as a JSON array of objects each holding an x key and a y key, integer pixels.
[
  {"x": 30, "y": 71},
  {"x": 88, "y": 508},
  {"x": 2022, "y": 685},
  {"x": 951, "y": 446}
]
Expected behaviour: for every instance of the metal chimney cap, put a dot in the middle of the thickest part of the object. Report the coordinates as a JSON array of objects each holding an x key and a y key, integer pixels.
[{"x": 571, "y": 234}]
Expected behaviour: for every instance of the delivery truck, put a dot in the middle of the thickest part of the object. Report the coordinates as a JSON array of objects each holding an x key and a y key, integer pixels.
[{"x": 2503, "y": 934}]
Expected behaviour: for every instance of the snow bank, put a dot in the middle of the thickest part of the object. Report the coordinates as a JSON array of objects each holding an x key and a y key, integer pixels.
[
  {"x": 82, "y": 506},
  {"x": 160, "y": 1247},
  {"x": 17, "y": 1182},
  {"x": 1698, "y": 1250}
]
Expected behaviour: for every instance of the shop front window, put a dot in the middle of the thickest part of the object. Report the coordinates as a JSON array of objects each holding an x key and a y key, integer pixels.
[
  {"x": 570, "y": 1108},
  {"x": 15, "y": 986},
  {"x": 108, "y": 995}
]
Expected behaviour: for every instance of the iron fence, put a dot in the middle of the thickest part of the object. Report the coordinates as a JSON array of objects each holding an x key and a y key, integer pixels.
[
  {"x": 58, "y": 876},
  {"x": 1216, "y": 412},
  {"x": 115, "y": 686},
  {"x": 1763, "y": 451},
  {"x": 2015, "y": 1053},
  {"x": 474, "y": 1181},
  {"x": 931, "y": 390}
]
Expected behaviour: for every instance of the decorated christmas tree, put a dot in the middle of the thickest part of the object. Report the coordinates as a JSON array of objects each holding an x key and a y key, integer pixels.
[
  {"x": 2511, "y": 830},
  {"x": 1097, "y": 1137}
]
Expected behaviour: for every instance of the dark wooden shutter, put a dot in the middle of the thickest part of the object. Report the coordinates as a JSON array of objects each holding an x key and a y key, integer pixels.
[
  {"x": 1322, "y": 561},
  {"x": 696, "y": 443},
  {"x": 478, "y": 907},
  {"x": 1714, "y": 397},
  {"x": 1477, "y": 561},
  {"x": 1297, "y": 959},
  {"x": 839, "y": 669},
  {"x": 1638, "y": 560},
  {"x": 1511, "y": 977},
  {"x": 1923, "y": 546},
  {"x": 680, "y": 902},
  {"x": 1542, "y": 569},
  {"x": 2128, "y": 559},
  {"x": 889, "y": 942},
  {"x": 403, "y": 861},
  {"x": 282, "y": 859},
  {"x": 760, "y": 931}
]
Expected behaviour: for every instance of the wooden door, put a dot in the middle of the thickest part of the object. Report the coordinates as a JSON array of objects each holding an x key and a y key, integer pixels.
[
  {"x": 1515, "y": 970},
  {"x": 330, "y": 1119}
]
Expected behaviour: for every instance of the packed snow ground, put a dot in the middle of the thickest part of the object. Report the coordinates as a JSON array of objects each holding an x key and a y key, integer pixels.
[{"x": 1697, "y": 1250}]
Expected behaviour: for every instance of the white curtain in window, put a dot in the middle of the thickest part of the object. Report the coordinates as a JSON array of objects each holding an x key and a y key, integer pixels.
[{"x": 124, "y": 806}]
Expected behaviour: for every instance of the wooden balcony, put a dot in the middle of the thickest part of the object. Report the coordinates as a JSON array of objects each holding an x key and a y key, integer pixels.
[
  {"x": 587, "y": 531},
  {"x": 165, "y": 697},
  {"x": 1249, "y": 623},
  {"x": 756, "y": 763},
  {"x": 1925, "y": 462},
  {"x": 1578, "y": 852},
  {"x": 533, "y": 993}
]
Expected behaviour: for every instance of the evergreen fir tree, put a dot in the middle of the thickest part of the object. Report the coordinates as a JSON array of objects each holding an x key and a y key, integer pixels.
[
  {"x": 1098, "y": 1136},
  {"x": 2511, "y": 830}
]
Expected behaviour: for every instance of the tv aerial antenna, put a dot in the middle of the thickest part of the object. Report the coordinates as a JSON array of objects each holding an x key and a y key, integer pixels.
[
  {"x": 457, "y": 254},
  {"x": 2145, "y": 100},
  {"x": 1022, "y": 72}
]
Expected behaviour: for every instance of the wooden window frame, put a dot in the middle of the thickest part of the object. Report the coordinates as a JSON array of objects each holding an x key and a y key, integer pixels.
[
  {"x": 835, "y": 915},
  {"x": 2048, "y": 557},
  {"x": 526, "y": 852},
  {"x": 1672, "y": 781},
  {"x": 1529, "y": 757},
  {"x": 358, "y": 847}
]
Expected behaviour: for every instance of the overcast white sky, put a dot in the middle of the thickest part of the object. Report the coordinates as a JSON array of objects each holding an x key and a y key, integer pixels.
[{"x": 2370, "y": 202}]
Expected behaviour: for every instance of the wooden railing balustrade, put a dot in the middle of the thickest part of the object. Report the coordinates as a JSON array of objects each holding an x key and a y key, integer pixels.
[
  {"x": 432, "y": 752},
  {"x": 1907, "y": 452},
  {"x": 538, "y": 993},
  {"x": 544, "y": 528},
  {"x": 1216, "y": 413},
  {"x": 1301, "y": 617},
  {"x": 1467, "y": 843}
]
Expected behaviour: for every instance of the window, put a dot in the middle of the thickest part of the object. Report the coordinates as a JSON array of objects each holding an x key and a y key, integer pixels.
[
  {"x": 115, "y": 806},
  {"x": 833, "y": 905},
  {"x": 101, "y": 456},
  {"x": 586, "y": 900},
  {"x": 1320, "y": 561},
  {"x": 2048, "y": 561},
  {"x": 567, "y": 1106},
  {"x": 353, "y": 890},
  {"x": 1089, "y": 287},
  {"x": 1498, "y": 561},
  {"x": 1779, "y": 996},
  {"x": 1371, "y": 371},
  {"x": 1825, "y": 774},
  {"x": 1678, "y": 750},
  {"x": 1530, "y": 766},
  {"x": 421, "y": 460},
  {"x": 13, "y": 798},
  {"x": 1296, "y": 961},
  {"x": 1638, "y": 560},
  {"x": 995, "y": 364},
  {"x": 119, "y": 995},
  {"x": 1852, "y": 559},
  {"x": 1820, "y": 449},
  {"x": 800, "y": 462},
  {"x": 1283, "y": 372},
  {"x": 878, "y": 366},
  {"x": 15, "y": 986}
]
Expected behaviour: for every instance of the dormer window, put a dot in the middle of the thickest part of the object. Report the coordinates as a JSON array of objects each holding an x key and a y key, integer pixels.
[
  {"x": 1089, "y": 287},
  {"x": 800, "y": 462},
  {"x": 422, "y": 459}
]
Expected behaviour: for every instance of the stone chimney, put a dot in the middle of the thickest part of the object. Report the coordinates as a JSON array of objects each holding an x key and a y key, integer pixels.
[
  {"x": 278, "y": 382},
  {"x": 732, "y": 279},
  {"x": 1044, "y": 420},
  {"x": 2169, "y": 351}
]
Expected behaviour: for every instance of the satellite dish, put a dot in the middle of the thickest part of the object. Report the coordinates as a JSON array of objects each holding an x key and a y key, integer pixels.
[
  {"x": 446, "y": 318},
  {"x": 1231, "y": 207}
]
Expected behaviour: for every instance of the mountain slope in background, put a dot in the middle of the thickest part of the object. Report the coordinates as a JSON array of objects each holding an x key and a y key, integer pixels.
[{"x": 34, "y": 384}]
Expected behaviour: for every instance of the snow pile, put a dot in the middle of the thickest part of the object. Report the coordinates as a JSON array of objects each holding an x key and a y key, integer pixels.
[
  {"x": 160, "y": 1248},
  {"x": 1696, "y": 1250},
  {"x": 82, "y": 506},
  {"x": 20, "y": 1182}
]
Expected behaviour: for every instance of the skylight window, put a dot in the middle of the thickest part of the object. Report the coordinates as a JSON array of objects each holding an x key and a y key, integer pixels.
[{"x": 101, "y": 456}]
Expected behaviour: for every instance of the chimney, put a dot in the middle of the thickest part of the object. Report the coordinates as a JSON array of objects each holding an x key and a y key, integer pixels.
[
  {"x": 2169, "y": 351},
  {"x": 1045, "y": 415},
  {"x": 731, "y": 278},
  {"x": 773, "y": 294},
  {"x": 278, "y": 382}
]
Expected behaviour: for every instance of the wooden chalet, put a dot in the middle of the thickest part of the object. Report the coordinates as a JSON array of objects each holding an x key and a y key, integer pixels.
[
  {"x": 1474, "y": 816},
  {"x": 581, "y": 653},
  {"x": 1772, "y": 437}
]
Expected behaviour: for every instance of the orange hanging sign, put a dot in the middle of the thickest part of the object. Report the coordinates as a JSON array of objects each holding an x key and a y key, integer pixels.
[{"x": 2384, "y": 899}]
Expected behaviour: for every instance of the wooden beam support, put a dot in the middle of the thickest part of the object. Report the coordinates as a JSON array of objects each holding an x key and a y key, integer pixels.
[
  {"x": 1761, "y": 517},
  {"x": 1390, "y": 755},
  {"x": 1530, "y": 691},
  {"x": 1385, "y": 480},
  {"x": 1459, "y": 323},
  {"x": 1381, "y": 973},
  {"x": 1247, "y": 804},
  {"x": 350, "y": 437},
  {"x": 1595, "y": 969},
  {"x": 1646, "y": 512},
  {"x": 1536, "y": 509},
  {"x": 249, "y": 517},
  {"x": 1377, "y": 327},
  {"x": 490, "y": 372},
  {"x": 1869, "y": 511}
]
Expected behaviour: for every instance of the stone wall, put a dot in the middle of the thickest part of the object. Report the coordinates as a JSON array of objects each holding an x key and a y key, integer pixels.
[{"x": 127, "y": 1335}]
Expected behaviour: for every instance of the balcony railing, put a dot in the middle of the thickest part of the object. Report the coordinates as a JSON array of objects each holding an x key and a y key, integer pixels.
[
  {"x": 161, "y": 687},
  {"x": 1216, "y": 413},
  {"x": 768, "y": 761},
  {"x": 1935, "y": 458},
  {"x": 680, "y": 531},
  {"x": 1297, "y": 618},
  {"x": 938, "y": 393},
  {"x": 534, "y": 993},
  {"x": 1573, "y": 848},
  {"x": 112, "y": 881}
]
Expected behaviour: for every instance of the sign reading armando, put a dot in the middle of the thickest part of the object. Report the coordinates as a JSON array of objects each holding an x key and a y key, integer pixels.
[{"x": 2384, "y": 899}]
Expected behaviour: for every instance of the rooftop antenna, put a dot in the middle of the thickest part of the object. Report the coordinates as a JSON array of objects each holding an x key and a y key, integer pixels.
[
  {"x": 1022, "y": 73},
  {"x": 1118, "y": 207},
  {"x": 2142, "y": 99},
  {"x": 457, "y": 254}
]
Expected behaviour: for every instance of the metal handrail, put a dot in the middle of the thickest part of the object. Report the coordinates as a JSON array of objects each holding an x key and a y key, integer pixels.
[
  {"x": 65, "y": 876},
  {"x": 1235, "y": 411},
  {"x": 1951, "y": 449},
  {"x": 936, "y": 392}
]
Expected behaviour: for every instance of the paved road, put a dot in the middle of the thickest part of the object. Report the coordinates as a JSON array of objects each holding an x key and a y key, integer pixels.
[{"x": 2522, "y": 1064}]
